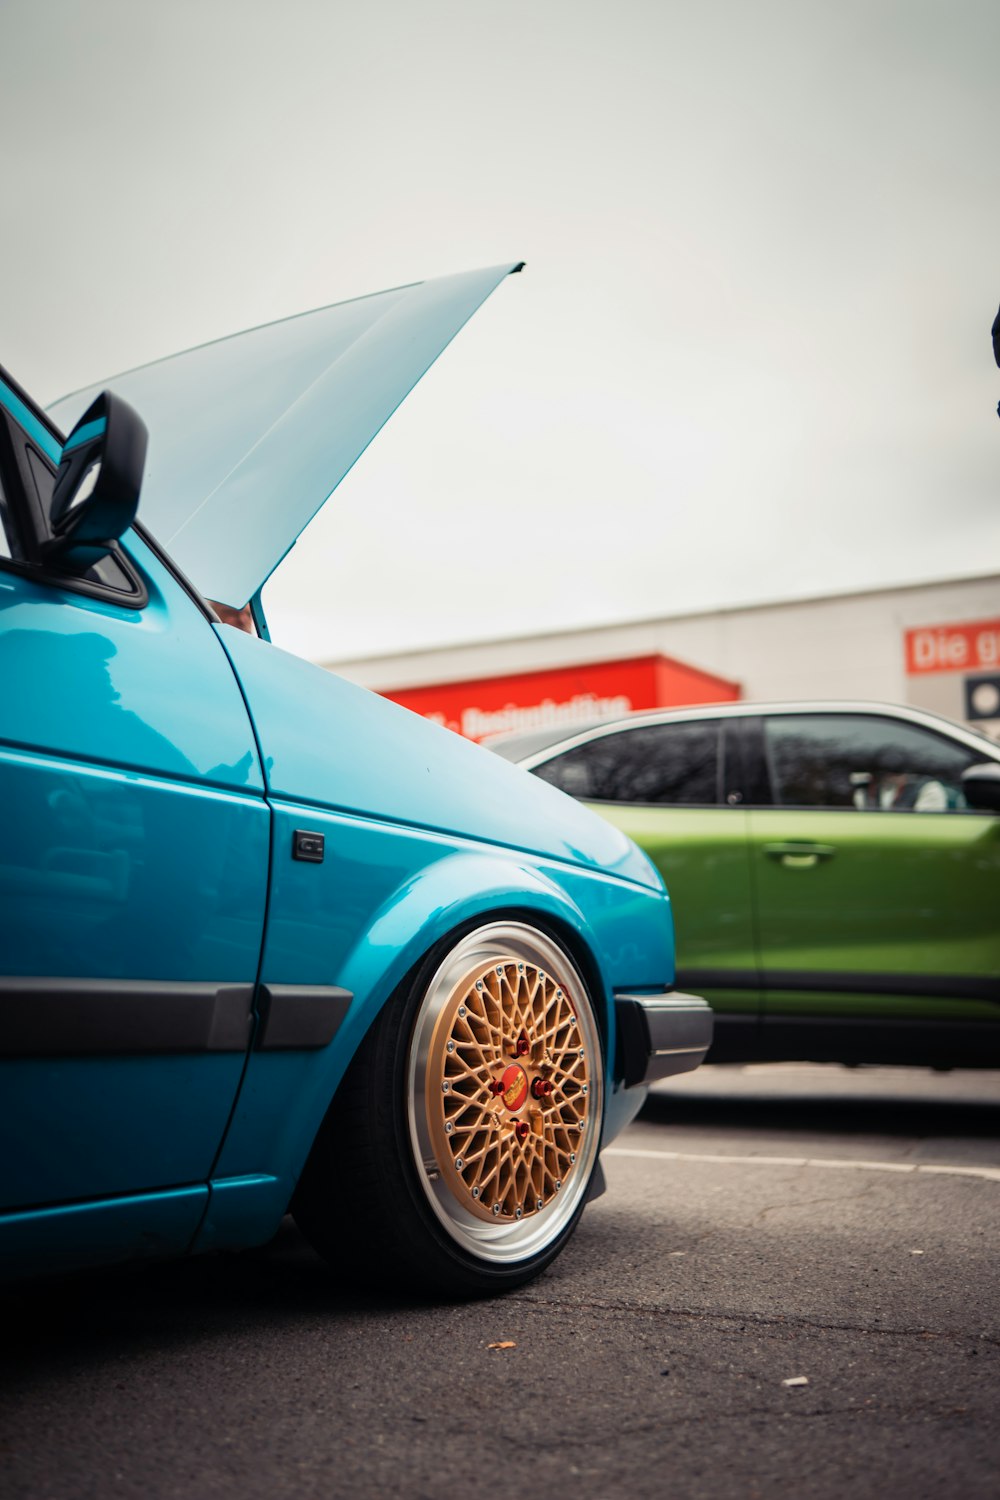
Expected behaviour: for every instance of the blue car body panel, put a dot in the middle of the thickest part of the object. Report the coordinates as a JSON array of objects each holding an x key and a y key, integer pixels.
[
  {"x": 135, "y": 847},
  {"x": 454, "y": 838},
  {"x": 142, "y": 689},
  {"x": 180, "y": 992},
  {"x": 363, "y": 754},
  {"x": 71, "y": 1237}
]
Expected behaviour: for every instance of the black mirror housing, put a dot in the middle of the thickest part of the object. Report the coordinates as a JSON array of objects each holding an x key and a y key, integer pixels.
[
  {"x": 96, "y": 492},
  {"x": 981, "y": 785}
]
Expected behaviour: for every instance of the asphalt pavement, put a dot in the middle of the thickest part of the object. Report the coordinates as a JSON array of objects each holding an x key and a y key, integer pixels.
[{"x": 790, "y": 1288}]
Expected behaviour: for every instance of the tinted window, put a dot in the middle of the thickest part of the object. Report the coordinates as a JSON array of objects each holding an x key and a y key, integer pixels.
[
  {"x": 656, "y": 763},
  {"x": 857, "y": 761},
  {"x": 744, "y": 773}
]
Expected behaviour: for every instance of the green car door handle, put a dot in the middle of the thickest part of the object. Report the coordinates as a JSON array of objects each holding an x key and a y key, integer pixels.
[{"x": 799, "y": 856}]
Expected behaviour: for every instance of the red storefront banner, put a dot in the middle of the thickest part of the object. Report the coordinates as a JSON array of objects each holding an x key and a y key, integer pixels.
[
  {"x": 953, "y": 648},
  {"x": 561, "y": 697}
]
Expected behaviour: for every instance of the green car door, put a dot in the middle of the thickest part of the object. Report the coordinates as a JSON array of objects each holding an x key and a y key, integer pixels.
[
  {"x": 876, "y": 888},
  {"x": 835, "y": 896}
]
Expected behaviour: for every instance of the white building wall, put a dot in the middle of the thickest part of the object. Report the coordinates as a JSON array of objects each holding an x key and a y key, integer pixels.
[{"x": 841, "y": 646}]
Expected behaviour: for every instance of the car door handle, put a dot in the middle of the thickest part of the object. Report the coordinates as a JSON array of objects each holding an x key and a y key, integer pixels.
[{"x": 799, "y": 856}]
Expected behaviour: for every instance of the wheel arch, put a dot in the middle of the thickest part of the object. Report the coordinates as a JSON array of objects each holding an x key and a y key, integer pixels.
[
  {"x": 403, "y": 1176},
  {"x": 583, "y": 910},
  {"x": 453, "y": 896}
]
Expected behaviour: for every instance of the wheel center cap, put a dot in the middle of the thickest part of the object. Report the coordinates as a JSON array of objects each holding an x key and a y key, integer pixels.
[{"x": 515, "y": 1086}]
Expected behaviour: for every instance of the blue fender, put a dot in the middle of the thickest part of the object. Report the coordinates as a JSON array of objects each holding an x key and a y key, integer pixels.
[
  {"x": 423, "y": 833},
  {"x": 285, "y": 1095}
]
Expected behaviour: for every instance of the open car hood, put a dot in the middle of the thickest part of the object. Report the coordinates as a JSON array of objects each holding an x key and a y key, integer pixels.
[{"x": 250, "y": 435}]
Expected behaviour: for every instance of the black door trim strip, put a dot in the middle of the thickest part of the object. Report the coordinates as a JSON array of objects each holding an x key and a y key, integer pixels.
[
  {"x": 857, "y": 1039},
  {"x": 300, "y": 1015},
  {"x": 88, "y": 1017},
  {"x": 57, "y": 1017},
  {"x": 847, "y": 982}
]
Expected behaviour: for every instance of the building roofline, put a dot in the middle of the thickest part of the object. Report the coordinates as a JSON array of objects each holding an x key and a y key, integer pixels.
[{"x": 641, "y": 621}]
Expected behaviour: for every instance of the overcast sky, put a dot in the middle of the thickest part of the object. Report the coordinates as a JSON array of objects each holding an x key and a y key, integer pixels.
[{"x": 749, "y": 357}]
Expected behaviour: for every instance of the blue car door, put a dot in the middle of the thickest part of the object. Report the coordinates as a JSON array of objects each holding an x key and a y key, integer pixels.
[{"x": 133, "y": 877}]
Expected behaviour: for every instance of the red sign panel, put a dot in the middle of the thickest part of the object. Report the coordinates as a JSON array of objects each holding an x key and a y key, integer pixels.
[
  {"x": 564, "y": 696},
  {"x": 953, "y": 648}
]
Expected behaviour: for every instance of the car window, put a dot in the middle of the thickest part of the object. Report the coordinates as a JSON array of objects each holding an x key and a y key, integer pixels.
[
  {"x": 864, "y": 762},
  {"x": 744, "y": 773},
  {"x": 5, "y": 523},
  {"x": 676, "y": 764},
  {"x": 9, "y": 541}
]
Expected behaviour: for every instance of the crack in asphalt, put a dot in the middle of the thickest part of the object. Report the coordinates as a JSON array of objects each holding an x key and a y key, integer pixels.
[
  {"x": 759, "y": 1320},
  {"x": 873, "y": 1408},
  {"x": 850, "y": 1195}
]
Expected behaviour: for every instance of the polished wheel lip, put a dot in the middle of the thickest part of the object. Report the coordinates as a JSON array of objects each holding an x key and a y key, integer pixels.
[{"x": 491, "y": 1236}]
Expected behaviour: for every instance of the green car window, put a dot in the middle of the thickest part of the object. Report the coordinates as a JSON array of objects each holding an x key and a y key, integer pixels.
[
  {"x": 672, "y": 764},
  {"x": 864, "y": 762}
]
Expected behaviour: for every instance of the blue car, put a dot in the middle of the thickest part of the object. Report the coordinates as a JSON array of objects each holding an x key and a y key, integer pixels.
[{"x": 269, "y": 942}]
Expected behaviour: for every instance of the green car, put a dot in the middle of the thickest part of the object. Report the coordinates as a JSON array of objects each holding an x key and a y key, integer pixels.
[{"x": 834, "y": 870}]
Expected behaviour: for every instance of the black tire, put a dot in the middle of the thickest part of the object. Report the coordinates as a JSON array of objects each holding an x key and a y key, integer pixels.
[{"x": 456, "y": 1157}]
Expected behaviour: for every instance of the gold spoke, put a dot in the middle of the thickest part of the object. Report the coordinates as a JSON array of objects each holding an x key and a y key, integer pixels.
[{"x": 507, "y": 1025}]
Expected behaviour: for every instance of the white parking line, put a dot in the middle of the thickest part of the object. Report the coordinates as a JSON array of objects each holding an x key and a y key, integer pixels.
[{"x": 990, "y": 1174}]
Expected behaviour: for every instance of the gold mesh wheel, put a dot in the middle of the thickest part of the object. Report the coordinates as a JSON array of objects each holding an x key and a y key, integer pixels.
[{"x": 506, "y": 1090}]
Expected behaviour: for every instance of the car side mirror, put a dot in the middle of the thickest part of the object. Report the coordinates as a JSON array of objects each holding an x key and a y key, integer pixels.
[
  {"x": 981, "y": 785},
  {"x": 96, "y": 492}
]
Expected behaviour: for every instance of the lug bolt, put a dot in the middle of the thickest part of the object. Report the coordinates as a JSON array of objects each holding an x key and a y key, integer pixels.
[
  {"x": 521, "y": 1130},
  {"x": 541, "y": 1088},
  {"x": 523, "y": 1045}
]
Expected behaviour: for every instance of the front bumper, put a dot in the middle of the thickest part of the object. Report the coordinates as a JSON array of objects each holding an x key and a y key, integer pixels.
[{"x": 660, "y": 1035}]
